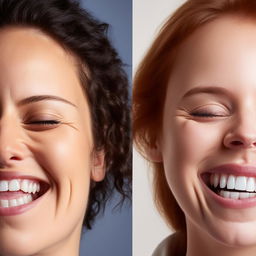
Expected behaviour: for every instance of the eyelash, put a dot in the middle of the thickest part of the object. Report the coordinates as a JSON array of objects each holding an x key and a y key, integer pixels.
[
  {"x": 44, "y": 122},
  {"x": 205, "y": 114}
]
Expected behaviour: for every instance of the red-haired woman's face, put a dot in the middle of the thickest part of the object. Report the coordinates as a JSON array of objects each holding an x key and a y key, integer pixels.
[
  {"x": 208, "y": 141},
  {"x": 45, "y": 140}
]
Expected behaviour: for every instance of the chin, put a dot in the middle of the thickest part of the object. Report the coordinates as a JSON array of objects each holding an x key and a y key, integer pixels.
[
  {"x": 18, "y": 245},
  {"x": 234, "y": 234}
]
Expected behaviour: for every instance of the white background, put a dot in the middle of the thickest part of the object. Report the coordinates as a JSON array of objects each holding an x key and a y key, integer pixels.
[{"x": 148, "y": 227}]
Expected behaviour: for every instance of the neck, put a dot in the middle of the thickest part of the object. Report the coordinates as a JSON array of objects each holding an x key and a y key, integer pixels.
[{"x": 201, "y": 243}]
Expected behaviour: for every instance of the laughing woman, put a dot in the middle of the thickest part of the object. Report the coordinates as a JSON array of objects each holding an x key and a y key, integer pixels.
[
  {"x": 201, "y": 137},
  {"x": 64, "y": 126}
]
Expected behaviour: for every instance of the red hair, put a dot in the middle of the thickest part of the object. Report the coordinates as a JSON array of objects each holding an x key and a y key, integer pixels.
[{"x": 151, "y": 80}]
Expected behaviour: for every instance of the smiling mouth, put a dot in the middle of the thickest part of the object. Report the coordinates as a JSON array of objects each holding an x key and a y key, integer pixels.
[
  {"x": 19, "y": 192},
  {"x": 230, "y": 185}
]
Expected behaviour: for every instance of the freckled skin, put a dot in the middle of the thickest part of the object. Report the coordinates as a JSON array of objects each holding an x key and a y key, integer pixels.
[
  {"x": 219, "y": 54},
  {"x": 31, "y": 63}
]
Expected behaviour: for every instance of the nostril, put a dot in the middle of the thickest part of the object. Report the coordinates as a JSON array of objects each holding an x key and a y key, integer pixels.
[
  {"x": 14, "y": 158},
  {"x": 240, "y": 140},
  {"x": 236, "y": 143}
]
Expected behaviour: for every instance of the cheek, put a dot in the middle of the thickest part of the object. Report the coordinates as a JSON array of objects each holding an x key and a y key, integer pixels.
[
  {"x": 187, "y": 142},
  {"x": 186, "y": 146},
  {"x": 65, "y": 155}
]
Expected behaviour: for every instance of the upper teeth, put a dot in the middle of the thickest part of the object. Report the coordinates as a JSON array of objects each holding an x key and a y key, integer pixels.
[
  {"x": 27, "y": 186},
  {"x": 230, "y": 181}
]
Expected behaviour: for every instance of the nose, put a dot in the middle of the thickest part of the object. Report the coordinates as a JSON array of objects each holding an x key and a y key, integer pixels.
[
  {"x": 242, "y": 134},
  {"x": 12, "y": 147}
]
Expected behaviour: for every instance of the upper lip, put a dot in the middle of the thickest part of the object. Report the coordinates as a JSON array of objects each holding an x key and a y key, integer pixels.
[{"x": 236, "y": 169}]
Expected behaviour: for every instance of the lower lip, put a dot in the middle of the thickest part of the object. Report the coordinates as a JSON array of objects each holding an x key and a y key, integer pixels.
[
  {"x": 228, "y": 202},
  {"x": 16, "y": 210}
]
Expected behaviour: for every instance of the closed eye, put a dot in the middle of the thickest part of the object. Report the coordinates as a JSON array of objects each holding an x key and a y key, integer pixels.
[
  {"x": 44, "y": 122},
  {"x": 41, "y": 125},
  {"x": 206, "y": 114},
  {"x": 44, "y": 125}
]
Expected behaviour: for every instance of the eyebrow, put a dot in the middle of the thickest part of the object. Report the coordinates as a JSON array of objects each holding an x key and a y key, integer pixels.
[
  {"x": 38, "y": 98},
  {"x": 208, "y": 89}
]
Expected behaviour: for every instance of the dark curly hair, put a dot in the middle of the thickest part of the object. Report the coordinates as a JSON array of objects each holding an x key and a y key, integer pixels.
[{"x": 105, "y": 85}]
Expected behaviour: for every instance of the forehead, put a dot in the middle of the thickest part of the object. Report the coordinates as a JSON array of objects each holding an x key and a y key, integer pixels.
[
  {"x": 221, "y": 52},
  {"x": 33, "y": 63}
]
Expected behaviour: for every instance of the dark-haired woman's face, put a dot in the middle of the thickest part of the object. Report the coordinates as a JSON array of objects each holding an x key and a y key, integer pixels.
[
  {"x": 209, "y": 132},
  {"x": 46, "y": 146}
]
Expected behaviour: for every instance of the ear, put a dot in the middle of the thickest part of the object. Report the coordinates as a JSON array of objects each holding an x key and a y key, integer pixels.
[
  {"x": 154, "y": 153},
  {"x": 98, "y": 166}
]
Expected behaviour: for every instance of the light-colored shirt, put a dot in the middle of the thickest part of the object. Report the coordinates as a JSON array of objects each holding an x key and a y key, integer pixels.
[{"x": 173, "y": 245}]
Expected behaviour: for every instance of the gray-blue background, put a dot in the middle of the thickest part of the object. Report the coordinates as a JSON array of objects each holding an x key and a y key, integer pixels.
[{"x": 112, "y": 233}]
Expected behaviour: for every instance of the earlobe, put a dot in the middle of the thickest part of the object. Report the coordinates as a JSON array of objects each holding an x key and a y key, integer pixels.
[{"x": 98, "y": 166}]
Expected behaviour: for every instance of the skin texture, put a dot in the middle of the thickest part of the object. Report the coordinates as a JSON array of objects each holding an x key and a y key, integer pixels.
[
  {"x": 219, "y": 54},
  {"x": 31, "y": 63}
]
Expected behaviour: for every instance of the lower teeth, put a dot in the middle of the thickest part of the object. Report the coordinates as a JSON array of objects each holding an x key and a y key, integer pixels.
[
  {"x": 235, "y": 195},
  {"x": 16, "y": 202}
]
